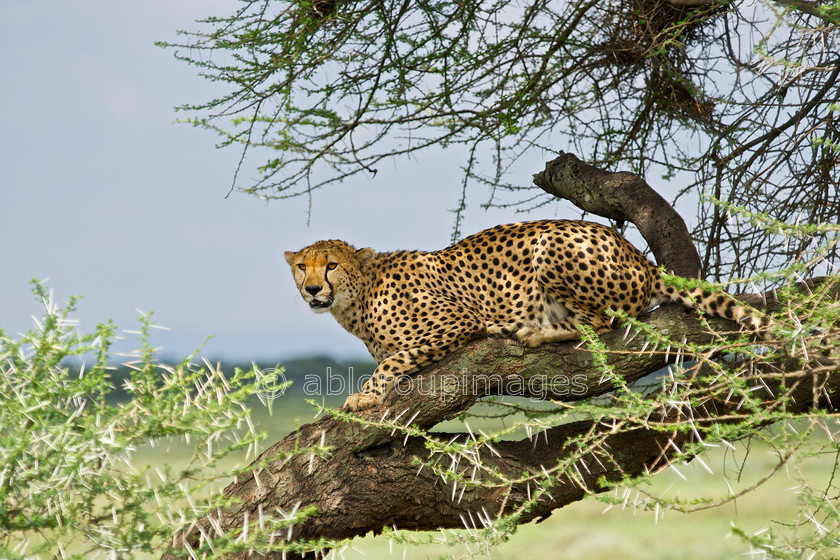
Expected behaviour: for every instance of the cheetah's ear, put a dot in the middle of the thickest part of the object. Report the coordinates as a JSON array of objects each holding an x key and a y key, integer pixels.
[
  {"x": 365, "y": 255},
  {"x": 290, "y": 257}
]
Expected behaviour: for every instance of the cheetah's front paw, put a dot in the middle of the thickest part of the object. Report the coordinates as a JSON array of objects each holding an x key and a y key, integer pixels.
[{"x": 362, "y": 401}]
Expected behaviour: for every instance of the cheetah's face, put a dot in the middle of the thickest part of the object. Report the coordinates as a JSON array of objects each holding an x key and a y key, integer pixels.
[{"x": 327, "y": 273}]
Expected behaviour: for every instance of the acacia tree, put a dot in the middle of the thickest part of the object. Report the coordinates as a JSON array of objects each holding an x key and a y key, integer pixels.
[{"x": 739, "y": 99}]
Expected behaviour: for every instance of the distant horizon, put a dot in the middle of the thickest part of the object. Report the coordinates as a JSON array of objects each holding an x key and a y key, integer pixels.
[{"x": 264, "y": 361}]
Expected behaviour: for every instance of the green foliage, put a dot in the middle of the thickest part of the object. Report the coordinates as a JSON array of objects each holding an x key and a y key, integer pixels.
[
  {"x": 71, "y": 483},
  {"x": 332, "y": 84}
]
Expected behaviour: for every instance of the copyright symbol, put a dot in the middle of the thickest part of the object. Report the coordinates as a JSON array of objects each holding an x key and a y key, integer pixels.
[{"x": 271, "y": 383}]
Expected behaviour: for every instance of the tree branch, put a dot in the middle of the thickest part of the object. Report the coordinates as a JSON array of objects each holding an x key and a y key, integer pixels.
[{"x": 624, "y": 197}]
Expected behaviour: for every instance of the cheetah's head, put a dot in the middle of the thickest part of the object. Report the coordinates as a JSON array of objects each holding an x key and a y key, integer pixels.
[{"x": 328, "y": 273}]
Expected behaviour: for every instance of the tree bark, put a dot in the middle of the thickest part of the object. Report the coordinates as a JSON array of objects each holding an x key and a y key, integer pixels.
[{"x": 370, "y": 478}]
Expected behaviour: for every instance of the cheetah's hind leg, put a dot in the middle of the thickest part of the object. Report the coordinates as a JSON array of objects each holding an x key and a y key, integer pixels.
[{"x": 566, "y": 329}]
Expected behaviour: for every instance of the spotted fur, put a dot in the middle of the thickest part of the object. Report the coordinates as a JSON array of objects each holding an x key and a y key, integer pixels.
[{"x": 535, "y": 281}]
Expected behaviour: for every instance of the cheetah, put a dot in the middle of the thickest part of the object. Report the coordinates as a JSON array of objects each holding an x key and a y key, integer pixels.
[{"x": 535, "y": 281}]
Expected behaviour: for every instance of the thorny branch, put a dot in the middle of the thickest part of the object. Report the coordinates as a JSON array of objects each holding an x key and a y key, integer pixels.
[{"x": 371, "y": 478}]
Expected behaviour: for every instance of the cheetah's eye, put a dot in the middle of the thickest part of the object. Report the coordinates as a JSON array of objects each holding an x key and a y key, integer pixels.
[
  {"x": 331, "y": 266},
  {"x": 302, "y": 267}
]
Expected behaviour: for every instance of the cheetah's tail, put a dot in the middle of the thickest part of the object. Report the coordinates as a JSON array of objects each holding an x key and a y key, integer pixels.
[{"x": 719, "y": 304}]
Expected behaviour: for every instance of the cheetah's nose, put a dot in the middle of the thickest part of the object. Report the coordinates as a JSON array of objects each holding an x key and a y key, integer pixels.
[{"x": 313, "y": 289}]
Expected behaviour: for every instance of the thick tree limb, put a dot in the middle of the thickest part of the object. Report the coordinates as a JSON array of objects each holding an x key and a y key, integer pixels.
[
  {"x": 370, "y": 478},
  {"x": 624, "y": 197}
]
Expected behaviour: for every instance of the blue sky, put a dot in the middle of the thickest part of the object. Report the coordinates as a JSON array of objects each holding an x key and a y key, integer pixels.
[{"x": 103, "y": 195}]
